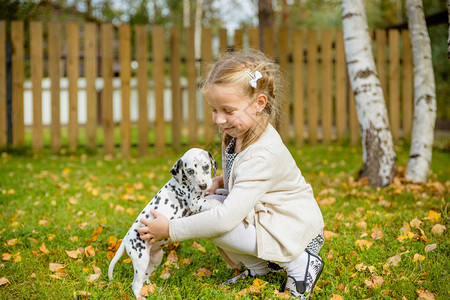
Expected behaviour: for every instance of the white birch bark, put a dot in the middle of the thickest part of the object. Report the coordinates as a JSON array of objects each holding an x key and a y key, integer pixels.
[
  {"x": 186, "y": 13},
  {"x": 378, "y": 148},
  {"x": 198, "y": 27},
  {"x": 424, "y": 95}
]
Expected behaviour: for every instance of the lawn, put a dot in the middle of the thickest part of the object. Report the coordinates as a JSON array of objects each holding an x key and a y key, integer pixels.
[{"x": 62, "y": 217}]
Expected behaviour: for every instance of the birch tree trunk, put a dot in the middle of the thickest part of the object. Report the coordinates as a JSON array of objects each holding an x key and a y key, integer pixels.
[
  {"x": 378, "y": 148},
  {"x": 198, "y": 27},
  {"x": 424, "y": 95},
  {"x": 186, "y": 13}
]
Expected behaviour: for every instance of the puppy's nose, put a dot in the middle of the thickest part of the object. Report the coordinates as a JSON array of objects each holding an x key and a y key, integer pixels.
[{"x": 203, "y": 186}]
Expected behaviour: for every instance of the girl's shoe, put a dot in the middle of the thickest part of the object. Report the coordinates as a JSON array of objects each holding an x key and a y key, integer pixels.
[
  {"x": 243, "y": 275},
  {"x": 302, "y": 289}
]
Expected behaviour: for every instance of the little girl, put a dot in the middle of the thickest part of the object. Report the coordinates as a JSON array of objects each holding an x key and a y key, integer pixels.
[{"x": 270, "y": 219}]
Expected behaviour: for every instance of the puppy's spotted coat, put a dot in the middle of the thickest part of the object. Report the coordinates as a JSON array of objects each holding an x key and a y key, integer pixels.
[{"x": 181, "y": 196}]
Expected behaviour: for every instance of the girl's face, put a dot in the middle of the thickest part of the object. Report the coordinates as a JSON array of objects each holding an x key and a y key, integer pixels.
[{"x": 234, "y": 114}]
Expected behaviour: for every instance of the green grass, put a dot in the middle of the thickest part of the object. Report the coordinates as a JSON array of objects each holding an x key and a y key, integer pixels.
[{"x": 60, "y": 200}]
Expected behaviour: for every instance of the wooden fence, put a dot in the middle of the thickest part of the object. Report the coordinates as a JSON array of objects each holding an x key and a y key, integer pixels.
[{"x": 319, "y": 107}]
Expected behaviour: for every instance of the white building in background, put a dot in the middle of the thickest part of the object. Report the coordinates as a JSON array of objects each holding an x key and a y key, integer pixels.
[{"x": 117, "y": 111}]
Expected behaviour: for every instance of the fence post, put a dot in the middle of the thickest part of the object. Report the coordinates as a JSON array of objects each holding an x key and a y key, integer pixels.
[
  {"x": 17, "y": 39},
  {"x": 313, "y": 87},
  {"x": 142, "y": 78},
  {"x": 107, "y": 46},
  {"x": 327, "y": 87},
  {"x": 298, "y": 81},
  {"x": 37, "y": 71},
  {"x": 3, "y": 93},
  {"x": 90, "y": 67},
  {"x": 125, "y": 75},
  {"x": 159, "y": 83},
  {"x": 9, "y": 91}
]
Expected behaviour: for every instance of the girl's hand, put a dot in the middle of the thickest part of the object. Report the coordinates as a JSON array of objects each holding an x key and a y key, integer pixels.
[
  {"x": 217, "y": 183},
  {"x": 156, "y": 229}
]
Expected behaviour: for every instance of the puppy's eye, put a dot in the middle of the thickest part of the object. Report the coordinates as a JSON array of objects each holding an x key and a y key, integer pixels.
[
  {"x": 205, "y": 168},
  {"x": 190, "y": 171}
]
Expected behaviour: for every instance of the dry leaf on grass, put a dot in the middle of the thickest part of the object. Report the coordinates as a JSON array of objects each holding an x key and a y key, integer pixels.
[
  {"x": 58, "y": 270},
  {"x": 95, "y": 235},
  {"x": 202, "y": 272},
  {"x": 74, "y": 254},
  {"x": 147, "y": 290},
  {"x": 425, "y": 295},
  {"x": 166, "y": 273},
  {"x": 418, "y": 257},
  {"x": 394, "y": 260},
  {"x": 430, "y": 247},
  {"x": 81, "y": 294},
  {"x": 89, "y": 251},
  {"x": 283, "y": 295},
  {"x": 376, "y": 235},
  {"x": 4, "y": 281},
  {"x": 433, "y": 216},
  {"x": 198, "y": 247},
  {"x": 363, "y": 244},
  {"x": 44, "y": 249},
  {"x": 336, "y": 297},
  {"x": 328, "y": 235},
  {"x": 415, "y": 223},
  {"x": 438, "y": 229},
  {"x": 12, "y": 242},
  {"x": 92, "y": 278},
  {"x": 375, "y": 281},
  {"x": 172, "y": 258}
]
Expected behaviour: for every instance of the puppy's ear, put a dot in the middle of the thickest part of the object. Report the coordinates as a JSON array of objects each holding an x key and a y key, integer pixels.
[
  {"x": 213, "y": 163},
  {"x": 177, "y": 170}
]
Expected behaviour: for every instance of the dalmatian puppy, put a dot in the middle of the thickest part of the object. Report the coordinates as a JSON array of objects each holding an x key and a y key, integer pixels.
[{"x": 183, "y": 195}]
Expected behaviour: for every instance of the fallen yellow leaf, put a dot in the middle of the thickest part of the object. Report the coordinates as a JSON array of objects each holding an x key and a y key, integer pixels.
[
  {"x": 425, "y": 295},
  {"x": 198, "y": 247},
  {"x": 56, "y": 267},
  {"x": 74, "y": 254},
  {"x": 166, "y": 273},
  {"x": 127, "y": 260},
  {"x": 328, "y": 235},
  {"x": 430, "y": 247},
  {"x": 434, "y": 216},
  {"x": 172, "y": 258},
  {"x": 283, "y": 295},
  {"x": 89, "y": 251},
  {"x": 415, "y": 223},
  {"x": 202, "y": 272},
  {"x": 92, "y": 278},
  {"x": 363, "y": 244},
  {"x": 336, "y": 297},
  {"x": 12, "y": 242},
  {"x": 438, "y": 229},
  {"x": 147, "y": 290},
  {"x": 6, "y": 256},
  {"x": 17, "y": 258},
  {"x": 376, "y": 235},
  {"x": 82, "y": 294},
  {"x": 4, "y": 281},
  {"x": 418, "y": 257},
  {"x": 44, "y": 249}
]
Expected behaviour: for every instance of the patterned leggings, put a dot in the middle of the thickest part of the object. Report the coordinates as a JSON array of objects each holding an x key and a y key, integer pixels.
[{"x": 241, "y": 243}]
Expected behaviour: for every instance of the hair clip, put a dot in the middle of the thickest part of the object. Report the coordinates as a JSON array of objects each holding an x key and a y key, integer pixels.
[{"x": 253, "y": 77}]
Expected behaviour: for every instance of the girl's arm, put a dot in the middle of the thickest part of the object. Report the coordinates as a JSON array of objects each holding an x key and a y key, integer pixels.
[{"x": 253, "y": 180}]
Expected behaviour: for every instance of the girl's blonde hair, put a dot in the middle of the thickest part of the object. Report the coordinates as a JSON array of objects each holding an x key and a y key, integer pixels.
[{"x": 230, "y": 70}]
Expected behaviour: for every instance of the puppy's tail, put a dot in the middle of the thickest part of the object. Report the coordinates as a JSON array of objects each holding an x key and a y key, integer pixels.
[{"x": 115, "y": 259}]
